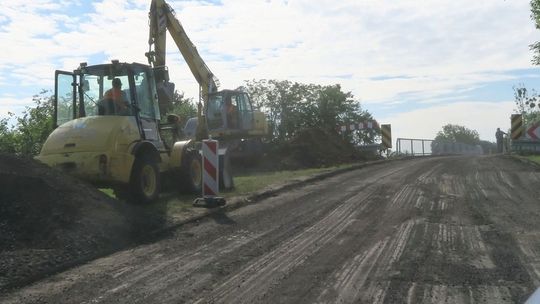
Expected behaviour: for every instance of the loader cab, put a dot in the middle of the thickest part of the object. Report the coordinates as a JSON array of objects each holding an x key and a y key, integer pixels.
[
  {"x": 85, "y": 92},
  {"x": 229, "y": 111}
]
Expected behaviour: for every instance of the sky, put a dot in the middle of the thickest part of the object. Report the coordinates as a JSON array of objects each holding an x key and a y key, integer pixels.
[{"x": 416, "y": 65}]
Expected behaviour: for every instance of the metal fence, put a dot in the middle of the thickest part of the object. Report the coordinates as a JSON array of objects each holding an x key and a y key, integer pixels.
[
  {"x": 524, "y": 146},
  {"x": 423, "y": 147},
  {"x": 413, "y": 146}
]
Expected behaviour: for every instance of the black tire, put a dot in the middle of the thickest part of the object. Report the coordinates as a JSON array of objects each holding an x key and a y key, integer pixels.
[
  {"x": 145, "y": 182},
  {"x": 190, "y": 175},
  {"x": 226, "y": 180}
]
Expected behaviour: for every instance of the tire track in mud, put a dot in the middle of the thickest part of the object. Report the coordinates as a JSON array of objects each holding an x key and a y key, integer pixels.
[
  {"x": 442, "y": 245},
  {"x": 253, "y": 280},
  {"x": 133, "y": 281},
  {"x": 364, "y": 277},
  {"x": 257, "y": 286},
  {"x": 357, "y": 279},
  {"x": 510, "y": 203},
  {"x": 469, "y": 260},
  {"x": 364, "y": 243},
  {"x": 447, "y": 256},
  {"x": 253, "y": 283},
  {"x": 168, "y": 272}
]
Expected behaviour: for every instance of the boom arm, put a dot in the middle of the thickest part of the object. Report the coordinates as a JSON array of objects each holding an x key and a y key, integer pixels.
[{"x": 162, "y": 18}]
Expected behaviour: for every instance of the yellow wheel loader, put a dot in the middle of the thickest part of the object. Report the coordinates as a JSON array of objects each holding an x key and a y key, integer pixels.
[{"x": 118, "y": 143}]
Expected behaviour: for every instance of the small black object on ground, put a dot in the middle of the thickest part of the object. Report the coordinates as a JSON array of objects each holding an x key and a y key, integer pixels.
[{"x": 209, "y": 202}]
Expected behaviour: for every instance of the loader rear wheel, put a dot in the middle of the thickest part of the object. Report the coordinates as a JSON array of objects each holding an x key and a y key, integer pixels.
[
  {"x": 191, "y": 173},
  {"x": 145, "y": 183}
]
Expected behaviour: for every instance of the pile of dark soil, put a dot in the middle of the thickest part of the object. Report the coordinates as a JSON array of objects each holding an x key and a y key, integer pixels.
[
  {"x": 50, "y": 221},
  {"x": 312, "y": 148}
]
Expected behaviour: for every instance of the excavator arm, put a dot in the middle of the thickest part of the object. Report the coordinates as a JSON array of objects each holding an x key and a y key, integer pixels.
[
  {"x": 163, "y": 19},
  {"x": 253, "y": 123}
]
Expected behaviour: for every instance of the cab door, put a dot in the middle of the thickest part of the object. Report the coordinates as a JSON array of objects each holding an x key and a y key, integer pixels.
[
  {"x": 147, "y": 104},
  {"x": 65, "y": 97},
  {"x": 245, "y": 111}
]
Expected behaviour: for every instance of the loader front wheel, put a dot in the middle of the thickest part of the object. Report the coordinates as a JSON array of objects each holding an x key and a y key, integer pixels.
[
  {"x": 145, "y": 181},
  {"x": 191, "y": 173}
]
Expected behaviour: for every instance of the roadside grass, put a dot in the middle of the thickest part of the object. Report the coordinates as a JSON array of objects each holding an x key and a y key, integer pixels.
[
  {"x": 180, "y": 205},
  {"x": 534, "y": 158},
  {"x": 108, "y": 191},
  {"x": 246, "y": 184}
]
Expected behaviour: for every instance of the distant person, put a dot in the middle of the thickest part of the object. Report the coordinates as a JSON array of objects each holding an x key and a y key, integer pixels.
[
  {"x": 499, "y": 135},
  {"x": 114, "y": 100}
]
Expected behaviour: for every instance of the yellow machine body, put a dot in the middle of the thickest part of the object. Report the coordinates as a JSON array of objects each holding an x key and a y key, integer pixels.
[
  {"x": 100, "y": 149},
  {"x": 96, "y": 148}
]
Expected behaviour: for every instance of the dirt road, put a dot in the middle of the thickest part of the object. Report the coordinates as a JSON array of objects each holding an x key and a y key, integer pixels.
[{"x": 439, "y": 230}]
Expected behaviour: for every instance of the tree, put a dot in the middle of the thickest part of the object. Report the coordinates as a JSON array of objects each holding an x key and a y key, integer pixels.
[
  {"x": 535, "y": 16},
  {"x": 336, "y": 108},
  {"x": 458, "y": 134},
  {"x": 527, "y": 103},
  {"x": 7, "y": 141},
  {"x": 488, "y": 147},
  {"x": 31, "y": 129},
  {"x": 35, "y": 125},
  {"x": 182, "y": 106},
  {"x": 291, "y": 106}
]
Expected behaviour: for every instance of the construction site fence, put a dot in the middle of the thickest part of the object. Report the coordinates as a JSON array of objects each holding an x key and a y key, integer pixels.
[{"x": 426, "y": 147}]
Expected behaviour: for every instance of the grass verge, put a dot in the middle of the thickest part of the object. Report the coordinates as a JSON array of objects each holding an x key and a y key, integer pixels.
[
  {"x": 534, "y": 158},
  {"x": 250, "y": 183}
]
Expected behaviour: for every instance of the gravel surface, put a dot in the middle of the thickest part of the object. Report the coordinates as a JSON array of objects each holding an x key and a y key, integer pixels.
[
  {"x": 50, "y": 221},
  {"x": 437, "y": 230}
]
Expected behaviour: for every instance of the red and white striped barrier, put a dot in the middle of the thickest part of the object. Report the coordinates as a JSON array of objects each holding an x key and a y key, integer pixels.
[
  {"x": 210, "y": 168},
  {"x": 372, "y": 124}
]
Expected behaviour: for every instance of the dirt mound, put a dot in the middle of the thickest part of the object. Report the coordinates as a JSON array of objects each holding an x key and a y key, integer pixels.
[
  {"x": 50, "y": 221},
  {"x": 319, "y": 148}
]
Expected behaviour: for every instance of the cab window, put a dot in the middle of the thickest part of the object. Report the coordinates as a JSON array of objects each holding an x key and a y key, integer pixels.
[
  {"x": 100, "y": 96},
  {"x": 244, "y": 104},
  {"x": 145, "y": 96},
  {"x": 65, "y": 100},
  {"x": 215, "y": 112}
]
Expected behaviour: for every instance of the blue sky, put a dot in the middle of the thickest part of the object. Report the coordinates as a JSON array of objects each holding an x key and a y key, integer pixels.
[{"x": 414, "y": 64}]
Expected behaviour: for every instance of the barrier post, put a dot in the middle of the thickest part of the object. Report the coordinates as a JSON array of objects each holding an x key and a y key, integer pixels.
[
  {"x": 516, "y": 130},
  {"x": 210, "y": 174},
  {"x": 386, "y": 132}
]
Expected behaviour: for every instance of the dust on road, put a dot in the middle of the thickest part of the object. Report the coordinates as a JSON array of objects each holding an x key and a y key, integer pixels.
[{"x": 438, "y": 230}]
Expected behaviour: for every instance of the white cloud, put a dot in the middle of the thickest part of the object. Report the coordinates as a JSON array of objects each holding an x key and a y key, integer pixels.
[
  {"x": 13, "y": 105},
  {"x": 484, "y": 117}
]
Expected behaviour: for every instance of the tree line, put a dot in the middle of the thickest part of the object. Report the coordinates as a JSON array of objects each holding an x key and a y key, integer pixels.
[
  {"x": 460, "y": 134},
  {"x": 292, "y": 106}
]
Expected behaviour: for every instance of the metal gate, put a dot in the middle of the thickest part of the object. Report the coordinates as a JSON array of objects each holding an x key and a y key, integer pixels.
[
  {"x": 413, "y": 146},
  {"x": 424, "y": 147}
]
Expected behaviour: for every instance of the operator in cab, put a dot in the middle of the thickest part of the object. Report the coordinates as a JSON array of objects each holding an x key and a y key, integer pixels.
[
  {"x": 229, "y": 114},
  {"x": 114, "y": 101}
]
